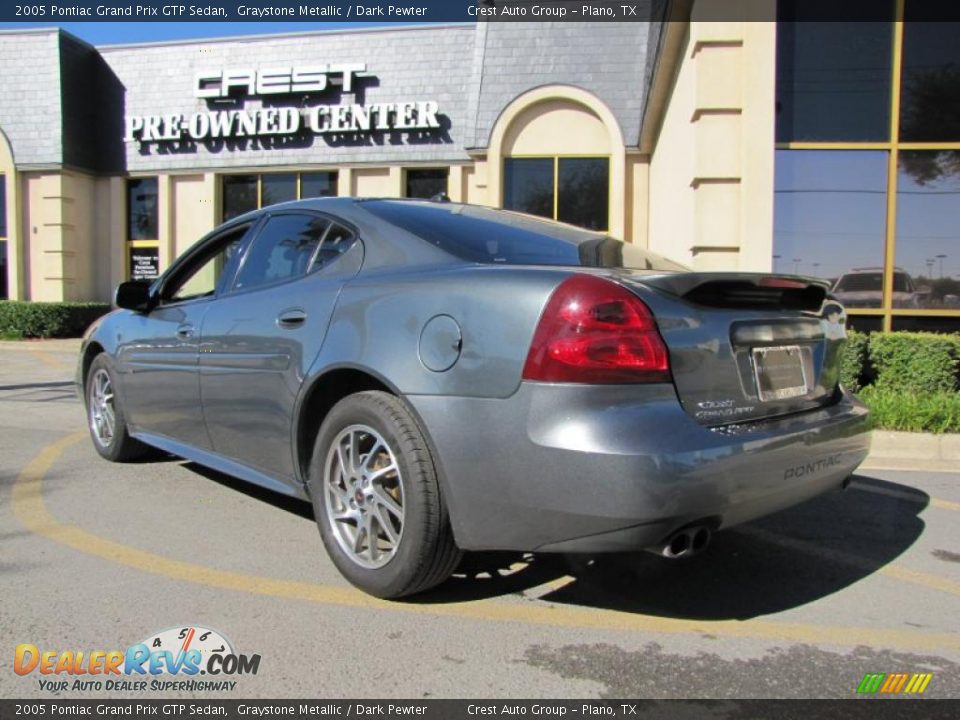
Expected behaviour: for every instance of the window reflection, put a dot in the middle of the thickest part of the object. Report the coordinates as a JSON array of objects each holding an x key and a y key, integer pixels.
[
  {"x": 142, "y": 216},
  {"x": 3, "y": 206},
  {"x": 426, "y": 183},
  {"x": 318, "y": 184},
  {"x": 833, "y": 78},
  {"x": 239, "y": 195},
  {"x": 928, "y": 227},
  {"x": 278, "y": 189},
  {"x": 584, "y": 192},
  {"x": 930, "y": 97},
  {"x": 930, "y": 323},
  {"x": 830, "y": 219},
  {"x": 528, "y": 185}
]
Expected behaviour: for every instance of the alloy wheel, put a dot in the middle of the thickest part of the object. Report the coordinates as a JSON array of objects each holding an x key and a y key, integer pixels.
[
  {"x": 100, "y": 408},
  {"x": 363, "y": 496}
]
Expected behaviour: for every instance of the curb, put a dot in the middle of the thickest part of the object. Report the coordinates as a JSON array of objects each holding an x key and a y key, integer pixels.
[
  {"x": 914, "y": 451},
  {"x": 47, "y": 345}
]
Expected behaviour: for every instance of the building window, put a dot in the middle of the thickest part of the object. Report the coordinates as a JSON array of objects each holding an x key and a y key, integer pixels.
[
  {"x": 574, "y": 190},
  {"x": 3, "y": 237},
  {"x": 277, "y": 189},
  {"x": 318, "y": 184},
  {"x": 830, "y": 212},
  {"x": 426, "y": 183},
  {"x": 930, "y": 81},
  {"x": 143, "y": 229},
  {"x": 243, "y": 193},
  {"x": 240, "y": 195},
  {"x": 928, "y": 229},
  {"x": 868, "y": 163},
  {"x": 3, "y": 207},
  {"x": 833, "y": 78},
  {"x": 142, "y": 223}
]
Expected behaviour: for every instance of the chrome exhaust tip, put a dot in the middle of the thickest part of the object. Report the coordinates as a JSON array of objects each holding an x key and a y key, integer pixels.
[{"x": 684, "y": 543}]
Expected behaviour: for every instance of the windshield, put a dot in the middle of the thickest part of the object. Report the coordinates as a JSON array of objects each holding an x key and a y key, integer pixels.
[
  {"x": 872, "y": 282},
  {"x": 860, "y": 282},
  {"x": 484, "y": 235}
]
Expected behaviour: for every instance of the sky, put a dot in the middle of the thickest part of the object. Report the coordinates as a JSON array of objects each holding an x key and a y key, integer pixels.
[{"x": 108, "y": 33}]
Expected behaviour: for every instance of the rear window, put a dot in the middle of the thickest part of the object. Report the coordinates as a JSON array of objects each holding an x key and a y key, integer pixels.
[{"x": 484, "y": 235}]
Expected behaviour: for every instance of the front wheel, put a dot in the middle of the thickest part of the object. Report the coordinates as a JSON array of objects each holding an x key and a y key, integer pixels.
[
  {"x": 105, "y": 415},
  {"x": 377, "y": 498}
]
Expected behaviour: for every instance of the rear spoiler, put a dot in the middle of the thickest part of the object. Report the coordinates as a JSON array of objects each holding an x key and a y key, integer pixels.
[{"x": 753, "y": 291}]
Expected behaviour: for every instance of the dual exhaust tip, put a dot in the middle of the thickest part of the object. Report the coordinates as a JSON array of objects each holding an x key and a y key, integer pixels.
[{"x": 684, "y": 543}]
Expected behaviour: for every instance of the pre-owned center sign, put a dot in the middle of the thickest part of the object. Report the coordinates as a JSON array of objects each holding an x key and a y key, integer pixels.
[{"x": 218, "y": 85}]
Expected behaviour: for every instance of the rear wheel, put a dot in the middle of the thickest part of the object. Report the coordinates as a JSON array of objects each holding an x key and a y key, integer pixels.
[
  {"x": 105, "y": 415},
  {"x": 377, "y": 498}
]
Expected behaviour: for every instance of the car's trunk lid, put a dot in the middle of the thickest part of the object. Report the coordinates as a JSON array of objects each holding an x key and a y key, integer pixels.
[{"x": 746, "y": 346}]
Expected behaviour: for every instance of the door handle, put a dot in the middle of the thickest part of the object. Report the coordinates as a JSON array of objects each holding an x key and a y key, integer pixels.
[
  {"x": 291, "y": 318},
  {"x": 185, "y": 332}
]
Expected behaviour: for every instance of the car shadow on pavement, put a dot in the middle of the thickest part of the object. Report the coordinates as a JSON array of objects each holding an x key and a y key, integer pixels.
[
  {"x": 292, "y": 505},
  {"x": 779, "y": 562}
]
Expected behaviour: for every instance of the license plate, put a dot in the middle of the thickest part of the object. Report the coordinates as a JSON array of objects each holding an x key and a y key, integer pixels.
[{"x": 781, "y": 372}]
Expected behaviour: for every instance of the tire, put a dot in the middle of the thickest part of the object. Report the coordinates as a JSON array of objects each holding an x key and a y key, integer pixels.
[
  {"x": 103, "y": 405},
  {"x": 395, "y": 484}
]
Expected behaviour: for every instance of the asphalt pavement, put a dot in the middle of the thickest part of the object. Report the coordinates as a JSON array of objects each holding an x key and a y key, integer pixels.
[{"x": 95, "y": 556}]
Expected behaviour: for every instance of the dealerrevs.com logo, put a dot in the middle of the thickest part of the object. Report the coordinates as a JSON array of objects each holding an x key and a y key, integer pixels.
[{"x": 170, "y": 660}]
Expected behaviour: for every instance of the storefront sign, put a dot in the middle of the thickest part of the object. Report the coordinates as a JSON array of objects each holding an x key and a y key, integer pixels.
[
  {"x": 415, "y": 115},
  {"x": 275, "y": 81},
  {"x": 144, "y": 263}
]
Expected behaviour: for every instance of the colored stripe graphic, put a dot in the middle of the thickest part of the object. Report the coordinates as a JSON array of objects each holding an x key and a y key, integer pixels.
[
  {"x": 894, "y": 683},
  {"x": 871, "y": 683}
]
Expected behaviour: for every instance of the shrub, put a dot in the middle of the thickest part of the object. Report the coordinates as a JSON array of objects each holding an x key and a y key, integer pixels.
[
  {"x": 853, "y": 360},
  {"x": 912, "y": 412},
  {"x": 915, "y": 362},
  {"x": 47, "y": 319}
]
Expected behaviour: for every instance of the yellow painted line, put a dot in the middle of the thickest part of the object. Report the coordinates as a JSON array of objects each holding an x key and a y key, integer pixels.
[
  {"x": 30, "y": 509},
  {"x": 945, "y": 504},
  {"x": 931, "y": 582},
  {"x": 47, "y": 359}
]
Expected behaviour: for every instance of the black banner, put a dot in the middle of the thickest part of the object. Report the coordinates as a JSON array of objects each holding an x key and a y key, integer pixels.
[
  {"x": 430, "y": 11},
  {"x": 854, "y": 709}
]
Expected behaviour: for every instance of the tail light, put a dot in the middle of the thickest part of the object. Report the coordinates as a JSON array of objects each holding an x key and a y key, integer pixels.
[{"x": 595, "y": 331}]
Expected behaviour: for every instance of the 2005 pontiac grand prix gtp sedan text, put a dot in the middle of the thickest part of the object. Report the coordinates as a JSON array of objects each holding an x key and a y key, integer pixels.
[{"x": 438, "y": 377}]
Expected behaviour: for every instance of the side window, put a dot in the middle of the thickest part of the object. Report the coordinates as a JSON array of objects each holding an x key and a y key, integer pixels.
[
  {"x": 336, "y": 242},
  {"x": 201, "y": 277},
  {"x": 282, "y": 250}
]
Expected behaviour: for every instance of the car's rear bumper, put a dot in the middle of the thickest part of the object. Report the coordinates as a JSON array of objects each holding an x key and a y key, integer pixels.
[{"x": 598, "y": 469}]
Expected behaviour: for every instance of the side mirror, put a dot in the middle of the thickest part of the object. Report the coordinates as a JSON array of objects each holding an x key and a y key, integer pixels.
[{"x": 134, "y": 295}]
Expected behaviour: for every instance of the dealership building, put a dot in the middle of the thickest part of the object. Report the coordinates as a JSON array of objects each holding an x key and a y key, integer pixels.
[{"x": 824, "y": 149}]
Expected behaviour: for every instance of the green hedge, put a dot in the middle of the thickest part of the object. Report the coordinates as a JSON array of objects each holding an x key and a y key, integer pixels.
[
  {"x": 47, "y": 319},
  {"x": 853, "y": 360},
  {"x": 910, "y": 381},
  {"x": 915, "y": 362}
]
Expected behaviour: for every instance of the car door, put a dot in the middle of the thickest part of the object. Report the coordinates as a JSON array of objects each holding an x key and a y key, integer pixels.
[
  {"x": 260, "y": 339},
  {"x": 158, "y": 357}
]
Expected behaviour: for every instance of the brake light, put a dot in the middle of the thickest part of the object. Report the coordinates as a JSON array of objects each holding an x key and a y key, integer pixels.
[{"x": 595, "y": 331}]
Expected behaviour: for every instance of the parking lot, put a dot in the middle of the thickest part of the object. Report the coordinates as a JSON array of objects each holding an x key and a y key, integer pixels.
[{"x": 802, "y": 604}]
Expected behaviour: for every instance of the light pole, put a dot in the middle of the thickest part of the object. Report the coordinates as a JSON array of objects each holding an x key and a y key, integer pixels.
[
  {"x": 796, "y": 266},
  {"x": 941, "y": 257}
]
